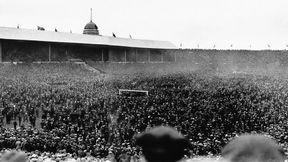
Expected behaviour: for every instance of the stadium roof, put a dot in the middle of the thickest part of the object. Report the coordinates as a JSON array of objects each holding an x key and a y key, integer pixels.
[{"x": 61, "y": 37}]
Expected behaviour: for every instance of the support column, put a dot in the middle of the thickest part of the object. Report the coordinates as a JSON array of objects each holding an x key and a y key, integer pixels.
[
  {"x": 0, "y": 51},
  {"x": 49, "y": 57},
  {"x": 125, "y": 55},
  {"x": 136, "y": 55},
  {"x": 66, "y": 52},
  {"x": 149, "y": 55},
  {"x": 102, "y": 54}
]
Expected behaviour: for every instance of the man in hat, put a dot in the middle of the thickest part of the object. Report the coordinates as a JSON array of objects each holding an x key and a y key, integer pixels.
[
  {"x": 253, "y": 148},
  {"x": 162, "y": 144}
]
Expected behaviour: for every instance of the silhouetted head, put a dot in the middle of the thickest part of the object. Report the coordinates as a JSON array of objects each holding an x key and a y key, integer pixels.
[
  {"x": 253, "y": 148},
  {"x": 162, "y": 144}
]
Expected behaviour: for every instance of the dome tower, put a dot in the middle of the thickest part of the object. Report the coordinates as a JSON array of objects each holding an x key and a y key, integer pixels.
[{"x": 91, "y": 28}]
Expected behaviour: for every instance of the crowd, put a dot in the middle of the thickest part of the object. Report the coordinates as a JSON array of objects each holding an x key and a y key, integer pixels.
[
  {"x": 56, "y": 110},
  {"x": 208, "y": 110}
]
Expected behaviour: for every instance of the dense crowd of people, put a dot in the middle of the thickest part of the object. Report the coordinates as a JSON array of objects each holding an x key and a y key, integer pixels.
[{"x": 55, "y": 110}]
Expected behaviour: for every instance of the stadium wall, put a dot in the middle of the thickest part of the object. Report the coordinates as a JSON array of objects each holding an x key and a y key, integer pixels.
[
  {"x": 0, "y": 51},
  {"x": 215, "y": 61},
  {"x": 234, "y": 60}
]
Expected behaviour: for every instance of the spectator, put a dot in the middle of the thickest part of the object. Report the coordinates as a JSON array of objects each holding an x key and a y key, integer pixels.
[
  {"x": 13, "y": 156},
  {"x": 15, "y": 124},
  {"x": 253, "y": 148},
  {"x": 162, "y": 144}
]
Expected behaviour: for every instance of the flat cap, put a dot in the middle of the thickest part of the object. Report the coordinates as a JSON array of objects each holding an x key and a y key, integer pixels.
[
  {"x": 162, "y": 144},
  {"x": 253, "y": 148}
]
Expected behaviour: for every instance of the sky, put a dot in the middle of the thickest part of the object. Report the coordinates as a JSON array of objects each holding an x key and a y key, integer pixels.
[{"x": 207, "y": 24}]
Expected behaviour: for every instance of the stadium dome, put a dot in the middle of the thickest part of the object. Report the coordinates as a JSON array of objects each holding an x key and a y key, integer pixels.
[{"x": 91, "y": 29}]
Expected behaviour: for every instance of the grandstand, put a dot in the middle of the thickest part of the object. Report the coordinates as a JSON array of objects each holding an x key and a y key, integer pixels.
[{"x": 46, "y": 46}]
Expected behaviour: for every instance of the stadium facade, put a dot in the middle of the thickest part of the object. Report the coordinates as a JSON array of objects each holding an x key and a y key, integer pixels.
[{"x": 21, "y": 45}]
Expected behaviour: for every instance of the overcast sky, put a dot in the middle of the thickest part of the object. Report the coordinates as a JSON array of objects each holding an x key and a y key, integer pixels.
[{"x": 239, "y": 23}]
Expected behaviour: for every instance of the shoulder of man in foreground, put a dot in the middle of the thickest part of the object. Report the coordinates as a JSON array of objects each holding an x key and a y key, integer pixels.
[{"x": 14, "y": 156}]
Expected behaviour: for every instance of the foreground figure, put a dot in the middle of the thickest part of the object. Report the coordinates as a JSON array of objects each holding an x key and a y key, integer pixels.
[
  {"x": 13, "y": 156},
  {"x": 162, "y": 144},
  {"x": 253, "y": 148}
]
